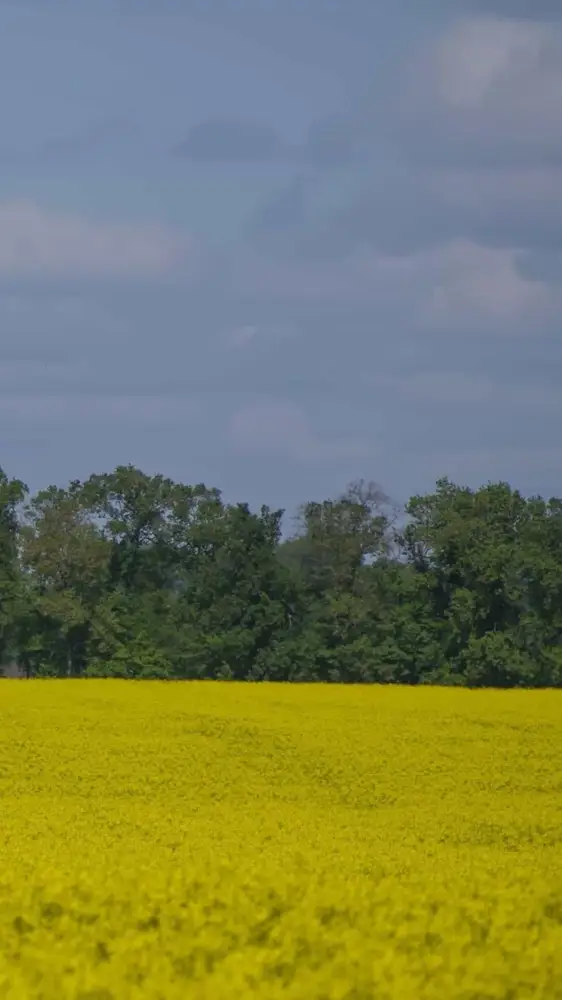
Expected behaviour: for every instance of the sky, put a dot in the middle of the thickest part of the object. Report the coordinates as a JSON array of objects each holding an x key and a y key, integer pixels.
[{"x": 278, "y": 245}]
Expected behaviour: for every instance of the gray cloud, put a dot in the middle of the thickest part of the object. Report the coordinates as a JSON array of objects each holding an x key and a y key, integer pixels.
[
  {"x": 332, "y": 142},
  {"x": 473, "y": 187},
  {"x": 70, "y": 145},
  {"x": 486, "y": 92},
  {"x": 413, "y": 208},
  {"x": 45, "y": 245},
  {"x": 89, "y": 140},
  {"x": 329, "y": 143},
  {"x": 231, "y": 140},
  {"x": 285, "y": 210},
  {"x": 427, "y": 226},
  {"x": 54, "y": 408},
  {"x": 460, "y": 389},
  {"x": 416, "y": 229},
  {"x": 456, "y": 287},
  {"x": 543, "y": 265},
  {"x": 532, "y": 9},
  {"x": 282, "y": 427}
]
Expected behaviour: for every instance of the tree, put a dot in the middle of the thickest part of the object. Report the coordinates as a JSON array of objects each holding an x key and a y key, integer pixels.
[
  {"x": 335, "y": 538},
  {"x": 12, "y": 495},
  {"x": 236, "y": 596},
  {"x": 66, "y": 563},
  {"x": 148, "y": 523},
  {"x": 493, "y": 562},
  {"x": 138, "y": 576}
]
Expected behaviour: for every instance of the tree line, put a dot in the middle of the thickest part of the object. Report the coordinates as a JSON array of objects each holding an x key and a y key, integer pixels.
[{"x": 131, "y": 575}]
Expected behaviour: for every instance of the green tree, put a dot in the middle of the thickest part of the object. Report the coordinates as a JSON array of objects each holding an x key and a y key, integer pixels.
[
  {"x": 137, "y": 576},
  {"x": 493, "y": 564},
  {"x": 147, "y": 521},
  {"x": 335, "y": 538},
  {"x": 12, "y": 495},
  {"x": 236, "y": 596},
  {"x": 66, "y": 563}
]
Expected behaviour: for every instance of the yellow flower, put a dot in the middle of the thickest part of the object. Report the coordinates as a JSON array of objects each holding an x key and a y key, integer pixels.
[{"x": 207, "y": 840}]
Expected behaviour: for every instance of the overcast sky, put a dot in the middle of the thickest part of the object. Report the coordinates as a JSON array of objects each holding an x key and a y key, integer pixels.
[{"x": 275, "y": 245}]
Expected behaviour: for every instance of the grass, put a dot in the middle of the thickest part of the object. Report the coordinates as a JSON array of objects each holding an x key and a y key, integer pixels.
[{"x": 265, "y": 841}]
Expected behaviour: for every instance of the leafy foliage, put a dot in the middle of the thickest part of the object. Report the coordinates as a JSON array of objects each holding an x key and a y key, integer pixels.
[{"x": 133, "y": 575}]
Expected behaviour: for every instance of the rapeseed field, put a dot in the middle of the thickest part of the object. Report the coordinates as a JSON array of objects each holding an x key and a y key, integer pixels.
[{"x": 208, "y": 840}]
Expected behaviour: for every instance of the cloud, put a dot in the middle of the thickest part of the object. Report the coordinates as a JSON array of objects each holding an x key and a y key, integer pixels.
[
  {"x": 416, "y": 207},
  {"x": 486, "y": 91},
  {"x": 47, "y": 322},
  {"x": 456, "y": 286},
  {"x": 40, "y": 244},
  {"x": 284, "y": 210},
  {"x": 455, "y": 389},
  {"x": 88, "y": 140},
  {"x": 33, "y": 373},
  {"x": 151, "y": 410},
  {"x": 472, "y": 287},
  {"x": 258, "y": 336},
  {"x": 461, "y": 286},
  {"x": 329, "y": 142},
  {"x": 532, "y": 469},
  {"x": 282, "y": 428},
  {"x": 231, "y": 140},
  {"x": 241, "y": 336},
  {"x": 333, "y": 141},
  {"x": 486, "y": 62},
  {"x": 535, "y": 10},
  {"x": 469, "y": 147},
  {"x": 66, "y": 146},
  {"x": 458, "y": 228},
  {"x": 543, "y": 264},
  {"x": 512, "y": 206}
]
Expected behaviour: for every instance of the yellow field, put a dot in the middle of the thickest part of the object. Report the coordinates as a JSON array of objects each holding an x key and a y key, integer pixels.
[{"x": 208, "y": 841}]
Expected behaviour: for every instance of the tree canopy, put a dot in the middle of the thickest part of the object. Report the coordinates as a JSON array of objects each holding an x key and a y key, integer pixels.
[{"x": 130, "y": 575}]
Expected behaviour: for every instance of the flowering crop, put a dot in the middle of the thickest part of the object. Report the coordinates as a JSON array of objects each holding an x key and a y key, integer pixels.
[{"x": 212, "y": 840}]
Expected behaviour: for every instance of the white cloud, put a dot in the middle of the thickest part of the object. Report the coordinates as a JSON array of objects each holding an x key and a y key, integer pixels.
[
  {"x": 37, "y": 243},
  {"x": 489, "y": 88},
  {"x": 460, "y": 286},
  {"x": 486, "y": 60},
  {"x": 534, "y": 9},
  {"x": 457, "y": 286},
  {"x": 472, "y": 286},
  {"x": 282, "y": 427}
]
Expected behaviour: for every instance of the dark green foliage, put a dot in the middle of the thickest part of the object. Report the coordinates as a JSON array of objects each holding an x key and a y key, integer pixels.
[
  {"x": 12, "y": 600},
  {"x": 129, "y": 575}
]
